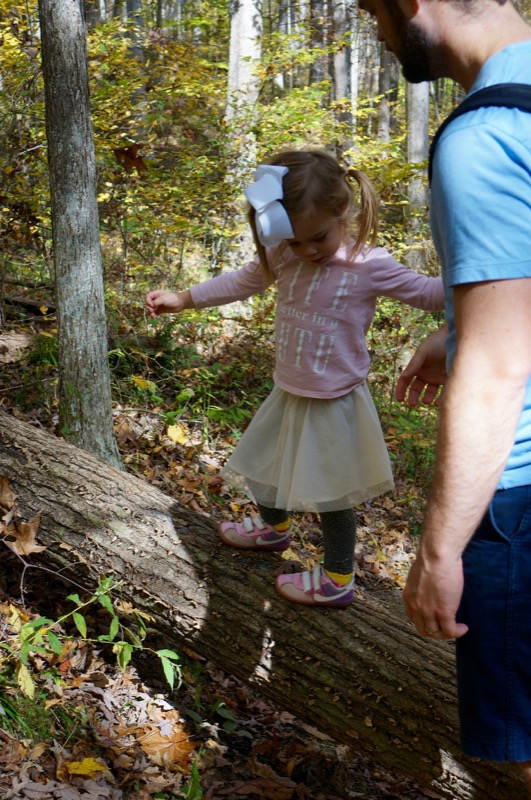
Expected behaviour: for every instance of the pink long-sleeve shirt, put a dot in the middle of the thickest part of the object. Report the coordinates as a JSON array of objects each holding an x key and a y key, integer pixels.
[{"x": 323, "y": 313}]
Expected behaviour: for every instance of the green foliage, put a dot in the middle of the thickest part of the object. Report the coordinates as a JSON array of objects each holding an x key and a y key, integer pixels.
[
  {"x": 191, "y": 789},
  {"x": 191, "y": 369},
  {"x": 24, "y": 218},
  {"x": 168, "y": 201},
  {"x": 229, "y": 722},
  {"x": 410, "y": 432},
  {"x": 159, "y": 153},
  {"x": 299, "y": 120},
  {"x": 44, "y": 351},
  {"x": 289, "y": 55},
  {"x": 46, "y": 637},
  {"x": 28, "y": 718}
]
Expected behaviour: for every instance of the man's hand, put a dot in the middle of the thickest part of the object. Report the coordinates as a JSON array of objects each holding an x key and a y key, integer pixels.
[
  {"x": 432, "y": 596},
  {"x": 423, "y": 377}
]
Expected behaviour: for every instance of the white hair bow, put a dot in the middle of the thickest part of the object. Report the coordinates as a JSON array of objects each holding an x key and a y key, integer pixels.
[{"x": 272, "y": 222}]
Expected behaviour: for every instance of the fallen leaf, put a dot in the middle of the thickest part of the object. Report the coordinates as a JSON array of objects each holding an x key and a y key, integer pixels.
[
  {"x": 25, "y": 681},
  {"x": 215, "y": 483},
  {"x": 165, "y": 740},
  {"x": 177, "y": 434},
  {"x": 7, "y": 496},
  {"x": 89, "y": 766},
  {"x": 20, "y": 537},
  {"x": 142, "y": 383}
]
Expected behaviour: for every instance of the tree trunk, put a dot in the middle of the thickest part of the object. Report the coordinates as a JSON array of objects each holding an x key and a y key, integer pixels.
[
  {"x": 85, "y": 413},
  {"x": 134, "y": 15},
  {"x": 418, "y": 105},
  {"x": 318, "y": 38},
  {"x": 245, "y": 52},
  {"x": 246, "y": 25},
  {"x": 361, "y": 675},
  {"x": 341, "y": 56},
  {"x": 384, "y": 89},
  {"x": 92, "y": 13},
  {"x": 354, "y": 65}
]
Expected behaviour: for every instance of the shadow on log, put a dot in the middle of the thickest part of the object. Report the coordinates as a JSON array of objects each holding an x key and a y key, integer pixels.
[{"x": 361, "y": 674}]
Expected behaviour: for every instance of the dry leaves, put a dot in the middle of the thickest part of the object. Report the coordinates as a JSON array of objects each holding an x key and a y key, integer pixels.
[{"x": 16, "y": 534}]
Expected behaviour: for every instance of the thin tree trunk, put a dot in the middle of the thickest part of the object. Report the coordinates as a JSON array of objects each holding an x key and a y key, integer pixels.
[
  {"x": 342, "y": 64},
  {"x": 245, "y": 51},
  {"x": 92, "y": 13},
  {"x": 246, "y": 25},
  {"x": 361, "y": 675},
  {"x": 354, "y": 65},
  {"x": 384, "y": 88},
  {"x": 318, "y": 33},
  {"x": 418, "y": 101},
  {"x": 85, "y": 412},
  {"x": 134, "y": 15}
]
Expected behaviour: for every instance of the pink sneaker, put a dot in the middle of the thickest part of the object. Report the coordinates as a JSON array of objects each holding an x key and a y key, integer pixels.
[
  {"x": 253, "y": 534},
  {"x": 314, "y": 588}
]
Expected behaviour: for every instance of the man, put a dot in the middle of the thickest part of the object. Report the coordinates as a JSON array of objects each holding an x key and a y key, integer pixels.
[{"x": 471, "y": 579}]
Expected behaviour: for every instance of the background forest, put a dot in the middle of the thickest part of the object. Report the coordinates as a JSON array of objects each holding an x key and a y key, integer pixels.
[{"x": 186, "y": 97}]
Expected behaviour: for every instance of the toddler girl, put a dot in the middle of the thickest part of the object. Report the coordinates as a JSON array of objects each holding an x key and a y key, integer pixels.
[{"x": 316, "y": 443}]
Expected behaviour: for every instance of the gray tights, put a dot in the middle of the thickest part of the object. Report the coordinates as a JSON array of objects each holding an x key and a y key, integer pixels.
[{"x": 339, "y": 535}]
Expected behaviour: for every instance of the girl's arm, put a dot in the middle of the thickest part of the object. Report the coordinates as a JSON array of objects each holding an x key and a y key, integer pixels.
[
  {"x": 391, "y": 279},
  {"x": 231, "y": 286},
  {"x": 225, "y": 288}
]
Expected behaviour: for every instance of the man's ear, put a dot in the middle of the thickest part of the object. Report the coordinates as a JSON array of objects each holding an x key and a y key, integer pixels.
[{"x": 409, "y": 8}]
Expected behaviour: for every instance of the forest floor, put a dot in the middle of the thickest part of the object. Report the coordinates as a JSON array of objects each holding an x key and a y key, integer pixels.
[{"x": 94, "y": 731}]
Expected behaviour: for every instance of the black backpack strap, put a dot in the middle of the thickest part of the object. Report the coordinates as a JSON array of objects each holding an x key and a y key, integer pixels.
[{"x": 506, "y": 95}]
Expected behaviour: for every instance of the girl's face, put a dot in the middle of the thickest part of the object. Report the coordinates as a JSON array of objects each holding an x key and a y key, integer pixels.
[{"x": 317, "y": 236}]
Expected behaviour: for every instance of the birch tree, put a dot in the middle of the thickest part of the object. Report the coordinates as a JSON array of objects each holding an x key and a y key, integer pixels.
[
  {"x": 342, "y": 56},
  {"x": 418, "y": 102},
  {"x": 354, "y": 63},
  {"x": 245, "y": 52},
  {"x": 385, "y": 84}
]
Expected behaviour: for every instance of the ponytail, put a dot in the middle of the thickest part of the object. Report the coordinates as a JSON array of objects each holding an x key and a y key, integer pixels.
[{"x": 367, "y": 216}]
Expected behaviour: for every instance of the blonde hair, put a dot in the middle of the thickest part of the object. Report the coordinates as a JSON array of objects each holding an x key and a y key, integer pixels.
[{"x": 315, "y": 180}]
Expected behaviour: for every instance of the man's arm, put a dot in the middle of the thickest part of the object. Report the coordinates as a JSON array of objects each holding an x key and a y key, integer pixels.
[{"x": 482, "y": 403}]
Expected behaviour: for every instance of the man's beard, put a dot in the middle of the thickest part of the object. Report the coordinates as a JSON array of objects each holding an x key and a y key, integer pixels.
[{"x": 414, "y": 51}]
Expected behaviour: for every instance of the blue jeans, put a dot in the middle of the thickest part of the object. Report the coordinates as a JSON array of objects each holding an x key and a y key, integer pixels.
[{"x": 494, "y": 657}]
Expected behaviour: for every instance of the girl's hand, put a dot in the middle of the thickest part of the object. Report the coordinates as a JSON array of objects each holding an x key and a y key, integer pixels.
[{"x": 159, "y": 301}]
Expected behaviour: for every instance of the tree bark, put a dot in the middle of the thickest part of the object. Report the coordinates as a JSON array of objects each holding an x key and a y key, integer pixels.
[
  {"x": 384, "y": 88},
  {"x": 418, "y": 142},
  {"x": 245, "y": 52},
  {"x": 361, "y": 675},
  {"x": 85, "y": 408}
]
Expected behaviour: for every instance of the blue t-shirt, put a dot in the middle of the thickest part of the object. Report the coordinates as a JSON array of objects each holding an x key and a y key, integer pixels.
[{"x": 481, "y": 209}]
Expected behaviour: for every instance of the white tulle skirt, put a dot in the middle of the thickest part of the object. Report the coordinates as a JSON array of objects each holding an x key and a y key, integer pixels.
[{"x": 304, "y": 454}]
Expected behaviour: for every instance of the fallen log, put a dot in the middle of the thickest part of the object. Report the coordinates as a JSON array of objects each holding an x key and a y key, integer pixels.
[{"x": 361, "y": 674}]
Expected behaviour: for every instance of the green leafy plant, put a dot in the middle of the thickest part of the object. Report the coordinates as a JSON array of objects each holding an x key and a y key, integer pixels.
[
  {"x": 44, "y": 636},
  {"x": 229, "y": 722}
]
